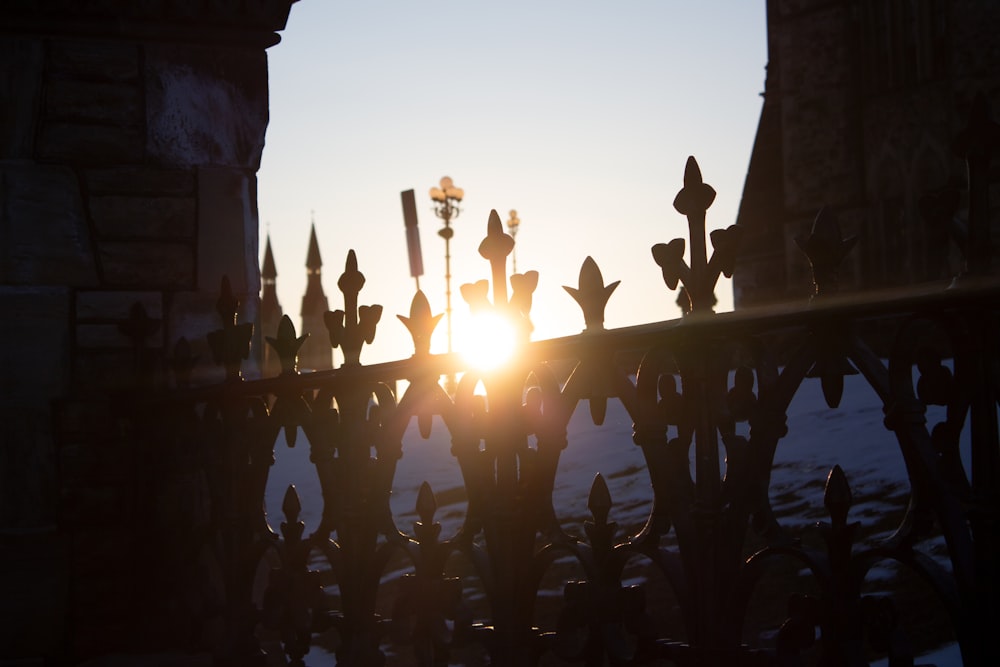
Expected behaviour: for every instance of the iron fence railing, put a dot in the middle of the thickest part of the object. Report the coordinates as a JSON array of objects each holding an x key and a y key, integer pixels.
[{"x": 707, "y": 396}]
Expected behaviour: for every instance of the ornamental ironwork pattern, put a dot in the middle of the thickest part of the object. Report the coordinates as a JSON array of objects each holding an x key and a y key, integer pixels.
[{"x": 708, "y": 402}]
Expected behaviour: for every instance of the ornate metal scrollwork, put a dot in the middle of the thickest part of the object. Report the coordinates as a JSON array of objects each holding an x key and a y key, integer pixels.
[{"x": 709, "y": 401}]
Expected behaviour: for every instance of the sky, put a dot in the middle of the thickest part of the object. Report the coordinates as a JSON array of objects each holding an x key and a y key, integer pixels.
[{"x": 580, "y": 115}]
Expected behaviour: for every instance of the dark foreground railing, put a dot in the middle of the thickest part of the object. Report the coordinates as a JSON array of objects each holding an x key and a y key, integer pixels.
[{"x": 708, "y": 400}]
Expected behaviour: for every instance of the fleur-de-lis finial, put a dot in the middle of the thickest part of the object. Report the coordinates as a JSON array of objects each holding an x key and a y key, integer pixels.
[
  {"x": 287, "y": 345},
  {"x": 701, "y": 276},
  {"x": 354, "y": 326},
  {"x": 599, "y": 500},
  {"x": 421, "y": 324},
  {"x": 291, "y": 507},
  {"x": 696, "y": 195},
  {"x": 426, "y": 504},
  {"x": 289, "y": 410},
  {"x": 592, "y": 294},
  {"x": 495, "y": 248},
  {"x": 826, "y": 248},
  {"x": 230, "y": 345},
  {"x": 497, "y": 245},
  {"x": 600, "y": 530},
  {"x": 837, "y": 495}
]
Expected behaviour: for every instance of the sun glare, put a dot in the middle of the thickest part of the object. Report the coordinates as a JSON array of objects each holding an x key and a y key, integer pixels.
[{"x": 489, "y": 341}]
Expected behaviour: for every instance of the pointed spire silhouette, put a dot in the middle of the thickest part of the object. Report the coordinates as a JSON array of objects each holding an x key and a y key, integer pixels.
[
  {"x": 314, "y": 300},
  {"x": 313, "y": 261},
  {"x": 270, "y": 309},
  {"x": 267, "y": 271},
  {"x": 269, "y": 306},
  {"x": 316, "y": 354}
]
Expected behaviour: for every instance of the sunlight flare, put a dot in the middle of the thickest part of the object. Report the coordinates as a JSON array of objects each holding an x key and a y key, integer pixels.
[{"x": 489, "y": 342}]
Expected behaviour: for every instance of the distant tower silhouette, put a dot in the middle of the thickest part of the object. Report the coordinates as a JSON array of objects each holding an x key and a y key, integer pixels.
[
  {"x": 270, "y": 312},
  {"x": 316, "y": 353}
]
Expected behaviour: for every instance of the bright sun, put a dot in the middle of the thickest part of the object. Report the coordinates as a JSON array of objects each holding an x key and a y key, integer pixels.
[{"x": 488, "y": 342}]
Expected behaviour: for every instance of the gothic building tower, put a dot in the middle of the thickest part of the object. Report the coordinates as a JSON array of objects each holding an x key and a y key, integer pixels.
[
  {"x": 316, "y": 353},
  {"x": 270, "y": 312},
  {"x": 862, "y": 104}
]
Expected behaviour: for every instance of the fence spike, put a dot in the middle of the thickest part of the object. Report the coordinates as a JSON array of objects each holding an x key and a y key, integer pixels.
[
  {"x": 286, "y": 345},
  {"x": 420, "y": 323},
  {"x": 599, "y": 501},
  {"x": 826, "y": 248},
  {"x": 426, "y": 503}
]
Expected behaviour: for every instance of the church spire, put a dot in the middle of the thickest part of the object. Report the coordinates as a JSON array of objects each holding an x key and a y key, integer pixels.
[
  {"x": 314, "y": 300},
  {"x": 267, "y": 270},
  {"x": 313, "y": 260},
  {"x": 270, "y": 310},
  {"x": 316, "y": 353}
]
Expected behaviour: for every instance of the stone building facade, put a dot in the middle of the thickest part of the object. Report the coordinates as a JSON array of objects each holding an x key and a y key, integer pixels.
[
  {"x": 130, "y": 137},
  {"x": 862, "y": 103}
]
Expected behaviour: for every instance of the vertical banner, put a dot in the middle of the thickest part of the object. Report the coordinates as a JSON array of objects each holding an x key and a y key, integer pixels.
[{"x": 412, "y": 233}]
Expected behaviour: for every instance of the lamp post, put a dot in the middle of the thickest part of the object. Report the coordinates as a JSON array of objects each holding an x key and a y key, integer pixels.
[
  {"x": 512, "y": 224},
  {"x": 446, "y": 200}
]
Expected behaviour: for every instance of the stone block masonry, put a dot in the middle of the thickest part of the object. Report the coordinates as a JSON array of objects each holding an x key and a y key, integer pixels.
[
  {"x": 130, "y": 137},
  {"x": 862, "y": 103}
]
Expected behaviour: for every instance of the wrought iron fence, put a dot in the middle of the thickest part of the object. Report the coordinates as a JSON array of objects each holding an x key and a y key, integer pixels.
[{"x": 708, "y": 401}]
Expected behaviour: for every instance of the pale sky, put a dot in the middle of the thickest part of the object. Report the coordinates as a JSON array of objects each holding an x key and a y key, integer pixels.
[{"x": 578, "y": 114}]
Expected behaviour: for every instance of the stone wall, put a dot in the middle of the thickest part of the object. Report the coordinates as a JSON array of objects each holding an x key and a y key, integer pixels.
[
  {"x": 130, "y": 137},
  {"x": 862, "y": 103}
]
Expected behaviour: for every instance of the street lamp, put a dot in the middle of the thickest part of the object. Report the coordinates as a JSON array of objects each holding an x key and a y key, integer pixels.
[
  {"x": 512, "y": 226},
  {"x": 446, "y": 199}
]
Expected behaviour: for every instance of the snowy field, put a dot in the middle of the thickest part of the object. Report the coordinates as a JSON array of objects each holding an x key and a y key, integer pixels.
[{"x": 852, "y": 436}]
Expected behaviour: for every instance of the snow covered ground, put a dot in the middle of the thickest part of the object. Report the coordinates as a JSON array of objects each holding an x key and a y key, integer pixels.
[{"x": 852, "y": 436}]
